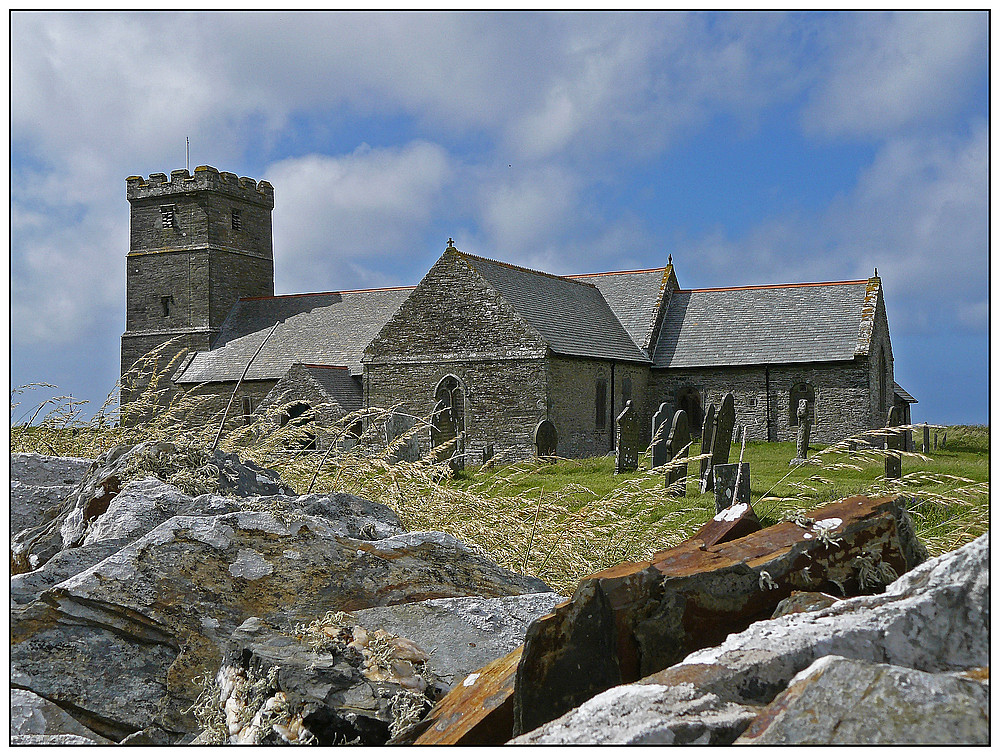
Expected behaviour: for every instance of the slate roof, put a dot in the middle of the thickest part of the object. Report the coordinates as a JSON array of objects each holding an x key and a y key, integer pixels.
[
  {"x": 902, "y": 393},
  {"x": 338, "y": 384},
  {"x": 758, "y": 325},
  {"x": 332, "y": 328},
  {"x": 571, "y": 316},
  {"x": 634, "y": 296}
]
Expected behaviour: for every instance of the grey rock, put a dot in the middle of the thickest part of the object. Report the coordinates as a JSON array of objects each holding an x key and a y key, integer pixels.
[
  {"x": 836, "y": 701},
  {"x": 28, "y": 587},
  {"x": 933, "y": 619},
  {"x": 53, "y": 740},
  {"x": 33, "y": 715},
  {"x": 39, "y": 485},
  {"x": 462, "y": 634},
  {"x": 646, "y": 715},
  {"x": 41, "y": 471},
  {"x": 126, "y": 638}
]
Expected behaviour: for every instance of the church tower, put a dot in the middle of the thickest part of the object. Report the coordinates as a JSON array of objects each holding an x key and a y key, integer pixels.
[{"x": 197, "y": 244}]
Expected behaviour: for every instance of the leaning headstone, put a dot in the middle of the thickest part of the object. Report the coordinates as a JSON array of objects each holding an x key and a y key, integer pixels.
[
  {"x": 802, "y": 437},
  {"x": 722, "y": 439},
  {"x": 726, "y": 493},
  {"x": 626, "y": 440},
  {"x": 677, "y": 444},
  {"x": 546, "y": 439},
  {"x": 707, "y": 429},
  {"x": 661, "y": 455},
  {"x": 487, "y": 453},
  {"x": 893, "y": 443},
  {"x": 926, "y": 446},
  {"x": 406, "y": 450}
]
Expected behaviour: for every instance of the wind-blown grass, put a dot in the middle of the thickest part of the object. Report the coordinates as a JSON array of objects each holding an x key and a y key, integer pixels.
[{"x": 558, "y": 520}]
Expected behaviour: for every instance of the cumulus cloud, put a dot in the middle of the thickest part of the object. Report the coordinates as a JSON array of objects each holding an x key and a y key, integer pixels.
[
  {"x": 919, "y": 214},
  {"x": 337, "y": 216},
  {"x": 889, "y": 72}
]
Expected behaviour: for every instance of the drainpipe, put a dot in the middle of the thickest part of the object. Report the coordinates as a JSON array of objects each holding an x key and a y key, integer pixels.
[
  {"x": 611, "y": 425},
  {"x": 767, "y": 401}
]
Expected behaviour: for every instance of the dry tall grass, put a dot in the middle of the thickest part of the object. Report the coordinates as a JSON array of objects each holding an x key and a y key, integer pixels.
[{"x": 557, "y": 535}]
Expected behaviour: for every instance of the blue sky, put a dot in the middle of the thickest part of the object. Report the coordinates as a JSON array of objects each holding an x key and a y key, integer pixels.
[{"x": 755, "y": 148}]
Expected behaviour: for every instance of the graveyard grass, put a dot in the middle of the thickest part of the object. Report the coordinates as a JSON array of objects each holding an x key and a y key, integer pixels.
[{"x": 559, "y": 520}]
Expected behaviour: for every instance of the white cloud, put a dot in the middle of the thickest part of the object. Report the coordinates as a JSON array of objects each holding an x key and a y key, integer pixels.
[
  {"x": 888, "y": 72},
  {"x": 919, "y": 213},
  {"x": 336, "y": 217}
]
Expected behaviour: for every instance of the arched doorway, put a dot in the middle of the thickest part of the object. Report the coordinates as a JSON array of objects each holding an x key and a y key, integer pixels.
[
  {"x": 798, "y": 392},
  {"x": 448, "y": 421}
]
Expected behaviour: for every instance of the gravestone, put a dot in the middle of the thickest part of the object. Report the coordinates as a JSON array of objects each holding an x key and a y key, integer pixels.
[
  {"x": 659, "y": 445},
  {"x": 487, "y": 453},
  {"x": 802, "y": 437},
  {"x": 893, "y": 443},
  {"x": 726, "y": 484},
  {"x": 407, "y": 450},
  {"x": 707, "y": 429},
  {"x": 926, "y": 446},
  {"x": 677, "y": 449},
  {"x": 626, "y": 440},
  {"x": 546, "y": 439},
  {"x": 722, "y": 439}
]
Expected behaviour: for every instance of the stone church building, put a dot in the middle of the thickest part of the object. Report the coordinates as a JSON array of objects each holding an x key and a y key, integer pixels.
[{"x": 491, "y": 348}]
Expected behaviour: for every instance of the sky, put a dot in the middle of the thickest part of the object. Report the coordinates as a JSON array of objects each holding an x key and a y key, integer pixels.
[{"x": 754, "y": 148}]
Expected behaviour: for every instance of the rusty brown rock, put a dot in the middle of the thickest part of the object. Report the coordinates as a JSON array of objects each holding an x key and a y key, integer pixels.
[
  {"x": 731, "y": 523},
  {"x": 638, "y": 618},
  {"x": 477, "y": 711}
]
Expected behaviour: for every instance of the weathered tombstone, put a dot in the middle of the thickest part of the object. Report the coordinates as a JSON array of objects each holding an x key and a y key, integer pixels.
[
  {"x": 707, "y": 429},
  {"x": 722, "y": 439},
  {"x": 487, "y": 453},
  {"x": 677, "y": 449},
  {"x": 409, "y": 449},
  {"x": 659, "y": 445},
  {"x": 726, "y": 493},
  {"x": 546, "y": 439},
  {"x": 626, "y": 440},
  {"x": 802, "y": 437},
  {"x": 893, "y": 443},
  {"x": 926, "y": 446}
]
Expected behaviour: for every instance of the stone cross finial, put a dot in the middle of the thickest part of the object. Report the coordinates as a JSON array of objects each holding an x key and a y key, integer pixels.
[
  {"x": 670, "y": 259},
  {"x": 451, "y": 243}
]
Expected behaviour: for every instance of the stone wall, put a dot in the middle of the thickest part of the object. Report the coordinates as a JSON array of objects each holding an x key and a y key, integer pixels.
[
  {"x": 572, "y": 403},
  {"x": 842, "y": 405},
  {"x": 504, "y": 400}
]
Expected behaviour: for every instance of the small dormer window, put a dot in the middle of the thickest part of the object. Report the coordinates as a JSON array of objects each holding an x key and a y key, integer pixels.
[
  {"x": 237, "y": 220},
  {"x": 168, "y": 216}
]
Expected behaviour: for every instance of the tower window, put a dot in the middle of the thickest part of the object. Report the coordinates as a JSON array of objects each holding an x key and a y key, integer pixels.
[
  {"x": 237, "y": 220},
  {"x": 165, "y": 303},
  {"x": 168, "y": 216}
]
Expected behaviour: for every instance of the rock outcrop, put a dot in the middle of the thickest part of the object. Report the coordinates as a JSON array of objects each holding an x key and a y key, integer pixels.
[
  {"x": 147, "y": 598},
  {"x": 932, "y": 620},
  {"x": 39, "y": 485}
]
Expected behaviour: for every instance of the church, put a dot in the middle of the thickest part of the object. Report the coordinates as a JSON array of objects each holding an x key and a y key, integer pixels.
[{"x": 490, "y": 349}]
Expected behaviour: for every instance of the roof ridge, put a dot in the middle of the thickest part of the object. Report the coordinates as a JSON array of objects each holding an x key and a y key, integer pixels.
[
  {"x": 327, "y": 293},
  {"x": 617, "y": 272},
  {"x": 521, "y": 268},
  {"x": 774, "y": 286},
  {"x": 325, "y": 367}
]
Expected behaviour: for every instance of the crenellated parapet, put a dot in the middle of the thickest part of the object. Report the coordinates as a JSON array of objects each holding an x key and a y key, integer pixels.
[{"x": 205, "y": 178}]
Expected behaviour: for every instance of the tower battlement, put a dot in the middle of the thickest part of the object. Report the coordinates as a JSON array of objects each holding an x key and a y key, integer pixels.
[{"x": 205, "y": 178}]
